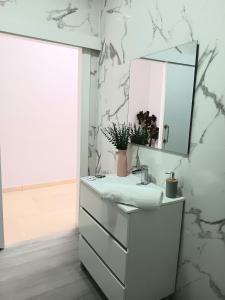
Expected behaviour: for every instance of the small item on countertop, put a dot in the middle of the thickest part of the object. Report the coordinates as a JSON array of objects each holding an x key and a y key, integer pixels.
[
  {"x": 171, "y": 186},
  {"x": 91, "y": 178},
  {"x": 99, "y": 176}
]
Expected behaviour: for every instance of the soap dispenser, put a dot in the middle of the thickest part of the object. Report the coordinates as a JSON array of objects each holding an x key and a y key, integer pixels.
[{"x": 171, "y": 186}]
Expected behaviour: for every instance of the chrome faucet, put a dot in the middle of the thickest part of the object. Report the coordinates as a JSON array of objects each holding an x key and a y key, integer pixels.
[
  {"x": 138, "y": 164},
  {"x": 143, "y": 170}
]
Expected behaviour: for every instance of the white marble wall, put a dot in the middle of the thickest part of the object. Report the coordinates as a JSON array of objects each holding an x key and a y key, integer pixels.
[
  {"x": 73, "y": 15},
  {"x": 133, "y": 28},
  {"x": 93, "y": 155},
  {"x": 74, "y": 22}
]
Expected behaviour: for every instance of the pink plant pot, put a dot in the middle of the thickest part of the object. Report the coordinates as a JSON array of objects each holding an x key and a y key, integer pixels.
[{"x": 122, "y": 163}]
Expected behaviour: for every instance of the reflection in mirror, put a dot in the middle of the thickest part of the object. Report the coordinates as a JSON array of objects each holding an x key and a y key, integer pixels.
[{"x": 161, "y": 91}]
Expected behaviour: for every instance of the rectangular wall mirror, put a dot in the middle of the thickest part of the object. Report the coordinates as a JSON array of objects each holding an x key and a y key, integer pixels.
[{"x": 161, "y": 98}]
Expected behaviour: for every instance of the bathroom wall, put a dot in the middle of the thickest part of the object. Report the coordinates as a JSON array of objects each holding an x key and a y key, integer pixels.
[
  {"x": 131, "y": 29},
  {"x": 74, "y": 22},
  {"x": 39, "y": 111},
  {"x": 93, "y": 154}
]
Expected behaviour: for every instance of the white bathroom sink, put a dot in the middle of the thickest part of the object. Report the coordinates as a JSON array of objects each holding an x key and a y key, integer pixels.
[{"x": 98, "y": 185}]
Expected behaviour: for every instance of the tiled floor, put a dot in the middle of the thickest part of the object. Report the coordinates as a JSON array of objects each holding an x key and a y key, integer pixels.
[
  {"x": 38, "y": 212},
  {"x": 46, "y": 269}
]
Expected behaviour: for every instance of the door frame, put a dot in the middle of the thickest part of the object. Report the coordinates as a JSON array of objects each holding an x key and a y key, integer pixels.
[
  {"x": 84, "y": 71},
  {"x": 2, "y": 242}
]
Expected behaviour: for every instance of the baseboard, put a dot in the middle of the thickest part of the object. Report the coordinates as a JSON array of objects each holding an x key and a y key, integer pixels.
[{"x": 37, "y": 185}]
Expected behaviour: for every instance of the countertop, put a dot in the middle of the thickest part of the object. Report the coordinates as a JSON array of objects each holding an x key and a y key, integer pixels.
[{"x": 97, "y": 184}]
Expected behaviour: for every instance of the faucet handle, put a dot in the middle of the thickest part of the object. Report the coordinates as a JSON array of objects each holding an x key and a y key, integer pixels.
[
  {"x": 144, "y": 167},
  {"x": 136, "y": 171}
]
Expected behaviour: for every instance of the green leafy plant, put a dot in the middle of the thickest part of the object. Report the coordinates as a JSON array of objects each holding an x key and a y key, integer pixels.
[
  {"x": 118, "y": 135},
  {"x": 139, "y": 135}
]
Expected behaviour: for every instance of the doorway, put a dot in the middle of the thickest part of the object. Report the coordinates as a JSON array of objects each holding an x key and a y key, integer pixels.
[{"x": 39, "y": 136}]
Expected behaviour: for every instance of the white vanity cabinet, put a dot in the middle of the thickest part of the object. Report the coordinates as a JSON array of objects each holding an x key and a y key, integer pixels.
[{"x": 131, "y": 253}]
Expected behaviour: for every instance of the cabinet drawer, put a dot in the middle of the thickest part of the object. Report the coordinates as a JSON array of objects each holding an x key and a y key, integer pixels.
[
  {"x": 106, "y": 213},
  {"x": 101, "y": 274},
  {"x": 107, "y": 248}
]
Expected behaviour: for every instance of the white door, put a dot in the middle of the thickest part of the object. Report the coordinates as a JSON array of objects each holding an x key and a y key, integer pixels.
[{"x": 1, "y": 213}]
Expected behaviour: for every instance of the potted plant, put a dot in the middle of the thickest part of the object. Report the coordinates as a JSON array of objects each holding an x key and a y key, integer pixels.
[
  {"x": 148, "y": 122},
  {"x": 118, "y": 135},
  {"x": 139, "y": 135}
]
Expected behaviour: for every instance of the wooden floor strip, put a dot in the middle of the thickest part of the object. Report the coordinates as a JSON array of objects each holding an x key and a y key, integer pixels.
[{"x": 25, "y": 187}]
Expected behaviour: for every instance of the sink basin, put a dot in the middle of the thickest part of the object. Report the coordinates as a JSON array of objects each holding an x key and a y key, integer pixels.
[{"x": 98, "y": 185}]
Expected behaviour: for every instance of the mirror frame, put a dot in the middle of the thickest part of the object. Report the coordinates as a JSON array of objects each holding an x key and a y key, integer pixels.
[{"x": 157, "y": 56}]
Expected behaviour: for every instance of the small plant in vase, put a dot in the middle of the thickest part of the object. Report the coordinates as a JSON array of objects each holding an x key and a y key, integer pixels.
[{"x": 118, "y": 135}]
